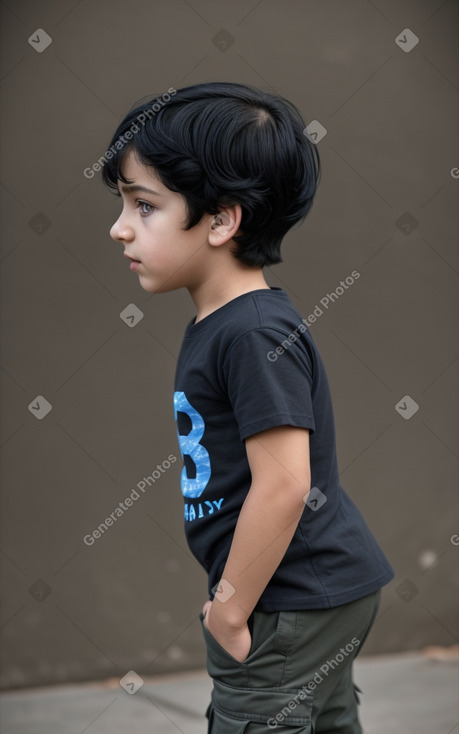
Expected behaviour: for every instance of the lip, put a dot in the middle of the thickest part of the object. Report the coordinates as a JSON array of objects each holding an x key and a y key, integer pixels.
[{"x": 134, "y": 262}]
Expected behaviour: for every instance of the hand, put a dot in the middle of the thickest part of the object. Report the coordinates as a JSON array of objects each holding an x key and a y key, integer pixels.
[{"x": 236, "y": 641}]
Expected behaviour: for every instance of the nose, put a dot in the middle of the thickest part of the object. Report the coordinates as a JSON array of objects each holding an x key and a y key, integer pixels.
[{"x": 121, "y": 232}]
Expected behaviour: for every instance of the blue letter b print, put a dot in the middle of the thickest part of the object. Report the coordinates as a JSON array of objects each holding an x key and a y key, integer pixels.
[{"x": 189, "y": 445}]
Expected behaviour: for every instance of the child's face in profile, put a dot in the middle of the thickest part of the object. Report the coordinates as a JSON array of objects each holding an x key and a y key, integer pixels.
[{"x": 150, "y": 227}]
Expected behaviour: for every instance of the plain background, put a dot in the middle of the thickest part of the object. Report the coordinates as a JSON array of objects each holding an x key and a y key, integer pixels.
[{"x": 386, "y": 207}]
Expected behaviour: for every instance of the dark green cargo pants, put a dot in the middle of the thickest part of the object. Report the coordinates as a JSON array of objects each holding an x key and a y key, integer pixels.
[{"x": 297, "y": 677}]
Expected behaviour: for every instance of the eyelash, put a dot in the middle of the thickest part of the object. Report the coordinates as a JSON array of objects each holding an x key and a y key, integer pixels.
[{"x": 144, "y": 203}]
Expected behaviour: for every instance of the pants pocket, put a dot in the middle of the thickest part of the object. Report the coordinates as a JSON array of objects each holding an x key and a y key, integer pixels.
[
  {"x": 236, "y": 710},
  {"x": 263, "y": 666},
  {"x": 222, "y": 724}
]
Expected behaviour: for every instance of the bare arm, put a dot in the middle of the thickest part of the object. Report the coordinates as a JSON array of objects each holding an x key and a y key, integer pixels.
[{"x": 279, "y": 463}]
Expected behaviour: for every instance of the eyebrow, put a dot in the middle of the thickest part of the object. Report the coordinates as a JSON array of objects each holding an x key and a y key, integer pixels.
[{"x": 136, "y": 187}]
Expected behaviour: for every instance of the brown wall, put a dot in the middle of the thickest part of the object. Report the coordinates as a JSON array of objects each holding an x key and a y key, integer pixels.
[{"x": 386, "y": 207}]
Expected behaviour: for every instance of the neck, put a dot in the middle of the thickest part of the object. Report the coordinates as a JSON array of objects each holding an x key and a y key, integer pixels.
[{"x": 220, "y": 288}]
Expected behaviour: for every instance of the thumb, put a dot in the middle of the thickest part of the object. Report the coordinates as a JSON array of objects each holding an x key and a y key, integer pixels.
[{"x": 206, "y": 607}]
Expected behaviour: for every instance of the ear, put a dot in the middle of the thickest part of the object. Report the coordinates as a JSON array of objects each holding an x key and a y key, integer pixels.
[{"x": 224, "y": 225}]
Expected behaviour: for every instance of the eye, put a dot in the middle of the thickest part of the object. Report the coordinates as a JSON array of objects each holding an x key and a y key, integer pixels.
[{"x": 144, "y": 208}]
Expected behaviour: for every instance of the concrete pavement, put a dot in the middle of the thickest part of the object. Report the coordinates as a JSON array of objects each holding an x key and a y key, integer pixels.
[{"x": 408, "y": 693}]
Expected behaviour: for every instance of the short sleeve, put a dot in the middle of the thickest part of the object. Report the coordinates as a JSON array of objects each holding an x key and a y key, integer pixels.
[{"x": 269, "y": 388}]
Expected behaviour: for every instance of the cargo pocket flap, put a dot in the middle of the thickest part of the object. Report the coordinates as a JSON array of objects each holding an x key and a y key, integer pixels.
[{"x": 274, "y": 707}]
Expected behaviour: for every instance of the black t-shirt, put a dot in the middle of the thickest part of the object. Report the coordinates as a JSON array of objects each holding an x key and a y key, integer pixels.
[{"x": 246, "y": 367}]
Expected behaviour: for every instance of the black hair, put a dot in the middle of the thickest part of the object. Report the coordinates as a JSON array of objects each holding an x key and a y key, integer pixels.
[{"x": 221, "y": 143}]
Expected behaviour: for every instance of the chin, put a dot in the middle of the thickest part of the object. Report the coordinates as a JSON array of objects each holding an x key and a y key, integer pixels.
[
  {"x": 148, "y": 282},
  {"x": 150, "y": 288},
  {"x": 154, "y": 286}
]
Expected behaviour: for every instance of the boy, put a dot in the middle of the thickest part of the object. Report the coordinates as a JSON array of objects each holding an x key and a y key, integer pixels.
[{"x": 211, "y": 183}]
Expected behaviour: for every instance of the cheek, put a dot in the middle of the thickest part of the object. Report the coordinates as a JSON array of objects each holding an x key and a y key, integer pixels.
[
  {"x": 158, "y": 227},
  {"x": 160, "y": 245}
]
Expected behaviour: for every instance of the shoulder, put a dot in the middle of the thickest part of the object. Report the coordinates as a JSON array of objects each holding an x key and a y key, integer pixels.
[
  {"x": 262, "y": 329},
  {"x": 262, "y": 311}
]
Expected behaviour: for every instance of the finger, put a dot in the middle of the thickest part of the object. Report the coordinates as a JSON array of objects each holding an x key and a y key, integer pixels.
[{"x": 206, "y": 607}]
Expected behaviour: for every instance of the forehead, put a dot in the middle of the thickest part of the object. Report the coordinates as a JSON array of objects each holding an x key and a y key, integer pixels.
[{"x": 136, "y": 172}]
